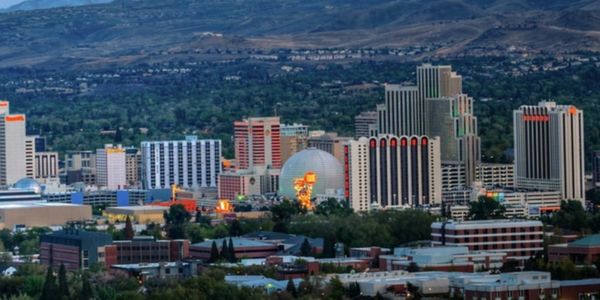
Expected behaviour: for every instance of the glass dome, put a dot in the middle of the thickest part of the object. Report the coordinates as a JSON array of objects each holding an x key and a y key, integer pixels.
[
  {"x": 28, "y": 184},
  {"x": 329, "y": 171}
]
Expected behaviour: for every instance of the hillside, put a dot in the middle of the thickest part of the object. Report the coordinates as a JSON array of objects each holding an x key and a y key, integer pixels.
[
  {"x": 45, "y": 4},
  {"x": 131, "y": 30}
]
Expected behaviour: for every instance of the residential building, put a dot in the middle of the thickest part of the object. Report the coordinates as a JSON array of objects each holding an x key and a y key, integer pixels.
[
  {"x": 519, "y": 239},
  {"x": 110, "y": 167},
  {"x": 257, "y": 143},
  {"x": 75, "y": 249},
  {"x": 393, "y": 172},
  {"x": 46, "y": 166},
  {"x": 13, "y": 155},
  {"x": 189, "y": 163},
  {"x": 363, "y": 122},
  {"x": 549, "y": 149}
]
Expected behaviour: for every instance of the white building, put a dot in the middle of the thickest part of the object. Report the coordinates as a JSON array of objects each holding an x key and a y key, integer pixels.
[
  {"x": 46, "y": 166},
  {"x": 110, "y": 167},
  {"x": 549, "y": 149},
  {"x": 189, "y": 163},
  {"x": 390, "y": 171},
  {"x": 12, "y": 146}
]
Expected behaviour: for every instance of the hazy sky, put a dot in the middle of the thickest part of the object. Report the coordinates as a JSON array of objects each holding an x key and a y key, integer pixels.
[{"x": 7, "y": 3}]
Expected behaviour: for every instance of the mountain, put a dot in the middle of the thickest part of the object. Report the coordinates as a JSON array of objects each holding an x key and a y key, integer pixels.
[
  {"x": 44, "y": 4},
  {"x": 135, "y": 31}
]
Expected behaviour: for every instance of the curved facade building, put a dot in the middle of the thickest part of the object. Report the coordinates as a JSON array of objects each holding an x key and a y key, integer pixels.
[{"x": 329, "y": 171}]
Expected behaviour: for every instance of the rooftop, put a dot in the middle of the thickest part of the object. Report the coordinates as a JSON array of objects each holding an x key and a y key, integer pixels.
[
  {"x": 237, "y": 242},
  {"x": 587, "y": 242}
]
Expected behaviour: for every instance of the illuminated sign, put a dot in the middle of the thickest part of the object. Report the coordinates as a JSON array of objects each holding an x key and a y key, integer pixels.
[
  {"x": 536, "y": 118},
  {"x": 14, "y": 118},
  {"x": 3, "y": 103},
  {"x": 572, "y": 110}
]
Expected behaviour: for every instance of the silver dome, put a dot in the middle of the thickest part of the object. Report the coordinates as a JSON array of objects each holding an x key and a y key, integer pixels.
[
  {"x": 330, "y": 173},
  {"x": 29, "y": 185}
]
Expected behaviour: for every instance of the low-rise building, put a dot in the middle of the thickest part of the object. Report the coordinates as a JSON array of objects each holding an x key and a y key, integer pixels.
[
  {"x": 144, "y": 249},
  {"x": 138, "y": 214},
  {"x": 42, "y": 214},
  {"x": 162, "y": 270},
  {"x": 519, "y": 239},
  {"x": 585, "y": 250},
  {"x": 243, "y": 248},
  {"x": 76, "y": 249},
  {"x": 442, "y": 259}
]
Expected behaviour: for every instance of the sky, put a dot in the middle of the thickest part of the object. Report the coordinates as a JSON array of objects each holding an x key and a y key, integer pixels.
[{"x": 8, "y": 3}]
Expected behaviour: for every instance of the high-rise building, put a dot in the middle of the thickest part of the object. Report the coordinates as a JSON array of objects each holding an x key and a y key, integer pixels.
[
  {"x": 438, "y": 81},
  {"x": 390, "y": 171},
  {"x": 12, "y": 146},
  {"x": 329, "y": 142},
  {"x": 30, "y": 156},
  {"x": 189, "y": 163},
  {"x": 4, "y": 107},
  {"x": 293, "y": 139},
  {"x": 46, "y": 166},
  {"x": 452, "y": 119},
  {"x": 363, "y": 122},
  {"x": 596, "y": 167},
  {"x": 257, "y": 142},
  {"x": 110, "y": 167},
  {"x": 403, "y": 113},
  {"x": 549, "y": 149},
  {"x": 80, "y": 166},
  {"x": 133, "y": 166}
]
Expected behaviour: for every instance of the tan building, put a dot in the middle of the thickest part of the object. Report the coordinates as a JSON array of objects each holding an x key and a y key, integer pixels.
[
  {"x": 42, "y": 214},
  {"x": 133, "y": 165},
  {"x": 137, "y": 214},
  {"x": 329, "y": 142}
]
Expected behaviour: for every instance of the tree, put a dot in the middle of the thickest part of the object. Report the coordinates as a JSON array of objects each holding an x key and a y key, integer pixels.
[
  {"x": 305, "y": 288},
  {"x": 570, "y": 216},
  {"x": 175, "y": 220},
  {"x": 214, "y": 253},
  {"x": 87, "y": 292},
  {"x": 128, "y": 230},
  {"x": 63, "y": 286},
  {"x": 235, "y": 228},
  {"x": 282, "y": 214},
  {"x": 412, "y": 267},
  {"x": 49, "y": 290},
  {"x": 305, "y": 248},
  {"x": 224, "y": 253},
  {"x": 231, "y": 251},
  {"x": 329, "y": 247},
  {"x": 291, "y": 288},
  {"x": 485, "y": 208},
  {"x": 353, "y": 290},
  {"x": 337, "y": 290},
  {"x": 333, "y": 207}
]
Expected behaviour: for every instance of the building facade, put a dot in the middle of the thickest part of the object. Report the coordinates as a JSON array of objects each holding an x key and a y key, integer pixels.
[
  {"x": 12, "y": 147},
  {"x": 363, "y": 122},
  {"x": 76, "y": 249},
  {"x": 257, "y": 142},
  {"x": 519, "y": 239},
  {"x": 46, "y": 166},
  {"x": 30, "y": 171},
  {"x": 329, "y": 142},
  {"x": 191, "y": 163},
  {"x": 393, "y": 172},
  {"x": 110, "y": 167},
  {"x": 549, "y": 149}
]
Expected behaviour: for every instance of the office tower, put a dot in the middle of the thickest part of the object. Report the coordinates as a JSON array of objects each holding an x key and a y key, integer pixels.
[
  {"x": 46, "y": 166},
  {"x": 390, "y": 171},
  {"x": 596, "y": 166},
  {"x": 363, "y": 122},
  {"x": 453, "y": 120},
  {"x": 257, "y": 142},
  {"x": 189, "y": 163},
  {"x": 329, "y": 142},
  {"x": 110, "y": 167},
  {"x": 549, "y": 149},
  {"x": 403, "y": 113},
  {"x": 502, "y": 175},
  {"x": 80, "y": 166},
  {"x": 30, "y": 156},
  {"x": 133, "y": 166},
  {"x": 12, "y": 147},
  {"x": 293, "y": 139},
  {"x": 438, "y": 81}
]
